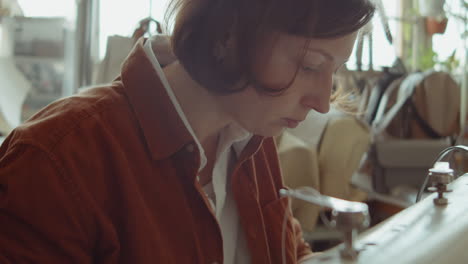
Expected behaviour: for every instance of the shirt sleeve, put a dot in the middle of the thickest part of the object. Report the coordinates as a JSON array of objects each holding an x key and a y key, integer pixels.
[
  {"x": 303, "y": 248},
  {"x": 41, "y": 220}
]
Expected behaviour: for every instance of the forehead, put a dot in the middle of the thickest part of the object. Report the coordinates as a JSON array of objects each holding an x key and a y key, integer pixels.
[{"x": 334, "y": 49}]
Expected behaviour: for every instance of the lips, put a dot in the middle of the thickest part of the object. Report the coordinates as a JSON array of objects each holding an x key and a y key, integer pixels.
[{"x": 292, "y": 123}]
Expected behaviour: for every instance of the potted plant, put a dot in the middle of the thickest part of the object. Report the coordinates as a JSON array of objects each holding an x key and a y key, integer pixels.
[
  {"x": 435, "y": 25},
  {"x": 434, "y": 16}
]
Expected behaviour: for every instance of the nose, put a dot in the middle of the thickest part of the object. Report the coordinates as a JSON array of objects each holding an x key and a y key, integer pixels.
[{"x": 318, "y": 96}]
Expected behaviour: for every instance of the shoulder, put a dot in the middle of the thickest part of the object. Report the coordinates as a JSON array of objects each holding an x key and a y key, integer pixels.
[{"x": 52, "y": 124}]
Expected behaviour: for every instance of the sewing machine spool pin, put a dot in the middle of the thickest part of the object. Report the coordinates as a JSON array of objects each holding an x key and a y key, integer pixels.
[
  {"x": 347, "y": 217},
  {"x": 439, "y": 177},
  {"x": 348, "y": 223}
]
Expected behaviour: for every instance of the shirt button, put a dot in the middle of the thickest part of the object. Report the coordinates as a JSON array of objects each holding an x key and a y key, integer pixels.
[{"x": 190, "y": 148}]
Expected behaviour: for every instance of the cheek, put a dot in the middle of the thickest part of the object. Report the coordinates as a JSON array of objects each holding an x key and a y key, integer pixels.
[
  {"x": 255, "y": 113},
  {"x": 260, "y": 114},
  {"x": 276, "y": 72},
  {"x": 267, "y": 115},
  {"x": 277, "y": 76},
  {"x": 243, "y": 106}
]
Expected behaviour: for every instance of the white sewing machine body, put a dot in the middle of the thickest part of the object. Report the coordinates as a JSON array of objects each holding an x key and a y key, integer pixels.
[{"x": 423, "y": 233}]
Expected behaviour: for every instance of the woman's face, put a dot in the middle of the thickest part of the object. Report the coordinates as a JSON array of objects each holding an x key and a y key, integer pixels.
[{"x": 267, "y": 115}]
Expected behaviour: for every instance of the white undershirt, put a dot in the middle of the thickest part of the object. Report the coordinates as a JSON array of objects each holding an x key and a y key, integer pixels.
[{"x": 232, "y": 141}]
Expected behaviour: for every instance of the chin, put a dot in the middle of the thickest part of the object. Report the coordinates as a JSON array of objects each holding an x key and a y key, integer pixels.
[{"x": 269, "y": 132}]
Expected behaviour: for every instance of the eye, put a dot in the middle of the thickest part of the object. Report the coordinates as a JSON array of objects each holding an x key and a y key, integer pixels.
[{"x": 307, "y": 68}]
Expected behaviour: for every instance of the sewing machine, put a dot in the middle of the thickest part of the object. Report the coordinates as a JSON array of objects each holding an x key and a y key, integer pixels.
[
  {"x": 434, "y": 230},
  {"x": 423, "y": 233}
]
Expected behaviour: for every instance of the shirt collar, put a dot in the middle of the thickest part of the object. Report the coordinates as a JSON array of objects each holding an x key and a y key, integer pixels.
[
  {"x": 164, "y": 126},
  {"x": 164, "y": 131},
  {"x": 232, "y": 135},
  {"x": 156, "y": 66}
]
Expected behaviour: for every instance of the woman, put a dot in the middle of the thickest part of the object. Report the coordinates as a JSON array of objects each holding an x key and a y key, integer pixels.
[{"x": 178, "y": 165}]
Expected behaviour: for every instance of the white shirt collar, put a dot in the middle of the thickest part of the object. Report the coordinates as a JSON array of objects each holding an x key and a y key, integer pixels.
[
  {"x": 154, "y": 60},
  {"x": 232, "y": 137}
]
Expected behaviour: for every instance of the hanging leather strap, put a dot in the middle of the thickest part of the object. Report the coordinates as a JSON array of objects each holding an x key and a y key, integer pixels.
[
  {"x": 143, "y": 28},
  {"x": 420, "y": 121}
]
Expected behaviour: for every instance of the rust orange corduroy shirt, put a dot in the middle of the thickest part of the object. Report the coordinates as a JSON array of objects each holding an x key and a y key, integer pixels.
[{"x": 109, "y": 176}]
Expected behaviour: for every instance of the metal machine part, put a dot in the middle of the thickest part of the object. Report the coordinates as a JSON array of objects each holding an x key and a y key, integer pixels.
[
  {"x": 420, "y": 234},
  {"x": 347, "y": 217},
  {"x": 348, "y": 223},
  {"x": 439, "y": 177}
]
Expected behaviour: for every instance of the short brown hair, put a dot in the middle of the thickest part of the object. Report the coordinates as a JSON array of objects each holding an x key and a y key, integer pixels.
[{"x": 203, "y": 26}]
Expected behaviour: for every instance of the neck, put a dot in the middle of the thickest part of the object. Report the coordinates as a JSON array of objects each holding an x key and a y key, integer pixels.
[{"x": 199, "y": 105}]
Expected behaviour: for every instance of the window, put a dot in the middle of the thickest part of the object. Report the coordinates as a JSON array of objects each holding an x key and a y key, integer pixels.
[
  {"x": 380, "y": 42},
  {"x": 122, "y": 17},
  {"x": 454, "y": 38},
  {"x": 61, "y": 8}
]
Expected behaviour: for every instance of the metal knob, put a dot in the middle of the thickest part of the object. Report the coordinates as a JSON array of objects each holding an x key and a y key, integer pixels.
[
  {"x": 347, "y": 217},
  {"x": 349, "y": 223},
  {"x": 439, "y": 177}
]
